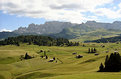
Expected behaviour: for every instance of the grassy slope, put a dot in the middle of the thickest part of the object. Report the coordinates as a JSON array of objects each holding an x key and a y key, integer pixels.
[
  {"x": 98, "y": 34},
  {"x": 85, "y": 68}
]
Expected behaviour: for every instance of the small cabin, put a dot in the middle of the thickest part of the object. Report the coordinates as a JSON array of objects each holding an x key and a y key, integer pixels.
[
  {"x": 51, "y": 60},
  {"x": 74, "y": 53},
  {"x": 115, "y": 51},
  {"x": 107, "y": 51},
  {"x": 96, "y": 54},
  {"x": 79, "y": 56}
]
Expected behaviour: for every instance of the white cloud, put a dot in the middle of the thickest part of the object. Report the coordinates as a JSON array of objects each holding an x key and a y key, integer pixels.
[
  {"x": 119, "y": 11},
  {"x": 5, "y": 30},
  {"x": 119, "y": 5},
  {"x": 107, "y": 13},
  {"x": 64, "y": 10}
]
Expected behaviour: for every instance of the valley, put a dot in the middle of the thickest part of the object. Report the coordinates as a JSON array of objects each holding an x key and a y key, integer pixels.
[
  {"x": 60, "y": 39},
  {"x": 11, "y": 67}
]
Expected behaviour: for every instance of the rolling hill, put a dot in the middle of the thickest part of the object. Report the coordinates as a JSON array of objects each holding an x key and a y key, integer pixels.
[
  {"x": 107, "y": 40},
  {"x": 11, "y": 67}
]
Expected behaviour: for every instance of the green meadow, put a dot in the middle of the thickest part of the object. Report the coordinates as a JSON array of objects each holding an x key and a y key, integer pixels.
[{"x": 11, "y": 67}]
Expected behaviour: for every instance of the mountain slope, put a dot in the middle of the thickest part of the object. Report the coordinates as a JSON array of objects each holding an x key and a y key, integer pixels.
[
  {"x": 54, "y": 27},
  {"x": 107, "y": 40},
  {"x": 85, "y": 32},
  {"x": 47, "y": 28},
  {"x": 74, "y": 32},
  {"x": 90, "y": 29},
  {"x": 115, "y": 25},
  {"x": 7, "y": 34}
]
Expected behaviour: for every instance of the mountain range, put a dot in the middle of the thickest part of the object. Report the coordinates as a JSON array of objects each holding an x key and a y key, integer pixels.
[
  {"x": 68, "y": 30},
  {"x": 47, "y": 28}
]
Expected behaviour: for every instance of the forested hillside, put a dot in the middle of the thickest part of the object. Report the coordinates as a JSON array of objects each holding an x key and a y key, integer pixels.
[
  {"x": 37, "y": 40},
  {"x": 7, "y": 34},
  {"x": 107, "y": 40}
]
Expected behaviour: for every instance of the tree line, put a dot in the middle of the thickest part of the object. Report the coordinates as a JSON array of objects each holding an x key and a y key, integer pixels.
[
  {"x": 106, "y": 40},
  {"x": 37, "y": 40}
]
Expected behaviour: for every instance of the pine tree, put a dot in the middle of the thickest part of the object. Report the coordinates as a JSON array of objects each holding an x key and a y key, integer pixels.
[
  {"x": 26, "y": 56},
  {"x": 17, "y": 44},
  {"x": 29, "y": 42},
  {"x": 94, "y": 50},
  {"x": 106, "y": 60},
  {"x": 101, "y": 68},
  {"x": 46, "y": 57},
  {"x": 89, "y": 51},
  {"x": 44, "y": 53}
]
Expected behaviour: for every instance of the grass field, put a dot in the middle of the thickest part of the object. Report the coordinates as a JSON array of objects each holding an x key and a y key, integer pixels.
[{"x": 11, "y": 67}]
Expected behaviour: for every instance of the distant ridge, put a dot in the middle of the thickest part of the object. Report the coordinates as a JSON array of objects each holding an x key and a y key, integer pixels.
[
  {"x": 47, "y": 28},
  {"x": 54, "y": 27},
  {"x": 7, "y": 34},
  {"x": 68, "y": 30}
]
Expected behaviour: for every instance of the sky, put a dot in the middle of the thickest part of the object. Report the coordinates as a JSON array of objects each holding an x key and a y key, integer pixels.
[{"x": 21, "y": 13}]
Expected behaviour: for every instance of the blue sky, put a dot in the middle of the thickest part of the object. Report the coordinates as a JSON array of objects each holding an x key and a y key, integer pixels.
[
  {"x": 12, "y": 22},
  {"x": 16, "y": 13}
]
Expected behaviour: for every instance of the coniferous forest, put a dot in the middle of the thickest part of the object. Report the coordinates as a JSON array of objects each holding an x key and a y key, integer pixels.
[
  {"x": 107, "y": 40},
  {"x": 38, "y": 40}
]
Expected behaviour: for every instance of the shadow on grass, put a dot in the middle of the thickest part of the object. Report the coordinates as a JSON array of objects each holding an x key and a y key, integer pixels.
[
  {"x": 36, "y": 75},
  {"x": 8, "y": 60},
  {"x": 92, "y": 60},
  {"x": 1, "y": 77}
]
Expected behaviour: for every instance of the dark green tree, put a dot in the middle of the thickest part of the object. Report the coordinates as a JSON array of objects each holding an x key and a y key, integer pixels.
[
  {"x": 94, "y": 50},
  {"x": 89, "y": 51},
  {"x": 27, "y": 56},
  {"x": 112, "y": 63},
  {"x": 101, "y": 68}
]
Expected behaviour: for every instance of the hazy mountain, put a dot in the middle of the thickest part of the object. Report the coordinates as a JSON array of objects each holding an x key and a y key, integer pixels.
[
  {"x": 115, "y": 25},
  {"x": 54, "y": 27},
  {"x": 7, "y": 34},
  {"x": 73, "y": 32},
  {"x": 47, "y": 28},
  {"x": 68, "y": 30}
]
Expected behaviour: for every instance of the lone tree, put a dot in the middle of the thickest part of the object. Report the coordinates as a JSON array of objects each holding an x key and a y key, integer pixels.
[
  {"x": 44, "y": 53},
  {"x": 46, "y": 57},
  {"x": 27, "y": 56}
]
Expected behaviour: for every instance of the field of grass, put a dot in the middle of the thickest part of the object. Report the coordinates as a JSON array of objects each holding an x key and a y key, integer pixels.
[
  {"x": 94, "y": 35},
  {"x": 11, "y": 67}
]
